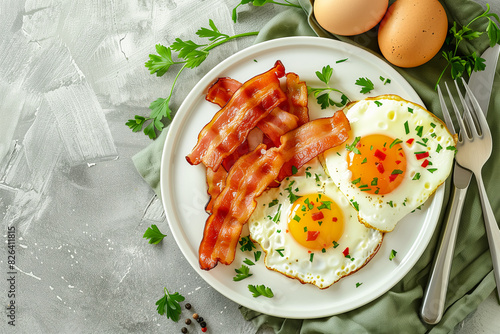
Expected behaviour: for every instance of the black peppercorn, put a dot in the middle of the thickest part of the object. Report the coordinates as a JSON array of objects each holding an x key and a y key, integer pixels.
[
  {"x": 200, "y": 319},
  {"x": 188, "y": 306},
  {"x": 188, "y": 321},
  {"x": 184, "y": 330},
  {"x": 203, "y": 324}
]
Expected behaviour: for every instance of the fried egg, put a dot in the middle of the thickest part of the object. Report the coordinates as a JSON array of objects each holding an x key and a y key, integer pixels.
[
  {"x": 398, "y": 154},
  {"x": 309, "y": 231}
]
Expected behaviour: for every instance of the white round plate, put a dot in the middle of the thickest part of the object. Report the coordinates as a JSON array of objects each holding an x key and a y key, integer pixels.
[{"x": 184, "y": 186}]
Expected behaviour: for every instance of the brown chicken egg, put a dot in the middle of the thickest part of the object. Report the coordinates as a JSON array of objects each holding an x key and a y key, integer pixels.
[
  {"x": 350, "y": 17},
  {"x": 412, "y": 32}
]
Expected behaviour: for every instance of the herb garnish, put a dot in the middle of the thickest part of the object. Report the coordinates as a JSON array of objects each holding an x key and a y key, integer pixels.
[
  {"x": 169, "y": 304},
  {"x": 393, "y": 255},
  {"x": 260, "y": 290},
  {"x": 366, "y": 85},
  {"x": 191, "y": 55},
  {"x": 259, "y": 3},
  {"x": 466, "y": 64},
  {"x": 242, "y": 273},
  {"x": 322, "y": 95},
  {"x": 154, "y": 235},
  {"x": 246, "y": 244}
]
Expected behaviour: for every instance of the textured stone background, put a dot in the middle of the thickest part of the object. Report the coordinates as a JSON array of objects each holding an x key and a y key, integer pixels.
[{"x": 71, "y": 74}]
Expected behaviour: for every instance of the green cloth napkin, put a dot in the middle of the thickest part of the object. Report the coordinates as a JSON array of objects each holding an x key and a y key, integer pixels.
[{"x": 397, "y": 311}]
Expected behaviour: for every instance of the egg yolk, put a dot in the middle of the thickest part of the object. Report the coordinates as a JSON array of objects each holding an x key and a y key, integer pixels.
[
  {"x": 377, "y": 163},
  {"x": 316, "y": 221}
]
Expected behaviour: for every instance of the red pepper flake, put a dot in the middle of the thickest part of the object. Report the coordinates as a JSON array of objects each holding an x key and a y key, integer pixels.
[
  {"x": 346, "y": 251},
  {"x": 317, "y": 215},
  {"x": 410, "y": 141},
  {"x": 312, "y": 235},
  {"x": 401, "y": 154},
  {"x": 398, "y": 162},
  {"x": 425, "y": 163},
  {"x": 392, "y": 177},
  {"x": 380, "y": 168},
  {"x": 379, "y": 154},
  {"x": 334, "y": 219},
  {"x": 422, "y": 155}
]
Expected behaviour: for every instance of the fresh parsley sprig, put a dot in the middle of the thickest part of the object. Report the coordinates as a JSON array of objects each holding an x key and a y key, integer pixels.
[
  {"x": 189, "y": 55},
  {"x": 366, "y": 85},
  {"x": 260, "y": 3},
  {"x": 169, "y": 304},
  {"x": 242, "y": 273},
  {"x": 466, "y": 64},
  {"x": 154, "y": 235},
  {"x": 322, "y": 95}
]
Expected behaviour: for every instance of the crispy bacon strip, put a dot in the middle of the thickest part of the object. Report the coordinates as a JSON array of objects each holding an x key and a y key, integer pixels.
[
  {"x": 216, "y": 182},
  {"x": 252, "y": 174},
  {"x": 311, "y": 139},
  {"x": 253, "y": 101},
  {"x": 222, "y": 90},
  {"x": 296, "y": 103},
  {"x": 277, "y": 123},
  {"x": 247, "y": 179}
]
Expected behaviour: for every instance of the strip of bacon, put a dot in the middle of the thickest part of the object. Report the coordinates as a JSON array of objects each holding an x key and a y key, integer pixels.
[
  {"x": 297, "y": 99},
  {"x": 241, "y": 150},
  {"x": 216, "y": 181},
  {"x": 252, "y": 174},
  {"x": 222, "y": 90},
  {"x": 311, "y": 139},
  {"x": 246, "y": 180},
  {"x": 253, "y": 101},
  {"x": 279, "y": 121}
]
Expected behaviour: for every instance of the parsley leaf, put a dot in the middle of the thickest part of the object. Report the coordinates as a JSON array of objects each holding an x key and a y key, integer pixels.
[
  {"x": 322, "y": 95},
  {"x": 160, "y": 63},
  {"x": 242, "y": 273},
  {"x": 366, "y": 85},
  {"x": 189, "y": 55},
  {"x": 169, "y": 304},
  {"x": 154, "y": 235},
  {"x": 260, "y": 290}
]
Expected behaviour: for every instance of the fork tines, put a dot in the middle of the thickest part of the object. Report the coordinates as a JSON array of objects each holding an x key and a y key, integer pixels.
[{"x": 472, "y": 121}]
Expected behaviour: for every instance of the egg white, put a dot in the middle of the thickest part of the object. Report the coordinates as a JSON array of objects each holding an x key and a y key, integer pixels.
[
  {"x": 387, "y": 115},
  {"x": 268, "y": 227}
]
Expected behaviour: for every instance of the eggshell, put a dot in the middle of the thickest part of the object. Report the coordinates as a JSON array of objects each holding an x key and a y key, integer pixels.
[
  {"x": 349, "y": 17},
  {"x": 412, "y": 32}
]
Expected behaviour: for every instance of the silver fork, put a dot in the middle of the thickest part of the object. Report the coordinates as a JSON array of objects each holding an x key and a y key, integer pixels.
[{"x": 473, "y": 150}]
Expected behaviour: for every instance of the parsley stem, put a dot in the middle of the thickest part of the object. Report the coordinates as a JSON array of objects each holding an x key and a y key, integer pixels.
[
  {"x": 227, "y": 39},
  {"x": 175, "y": 80}
]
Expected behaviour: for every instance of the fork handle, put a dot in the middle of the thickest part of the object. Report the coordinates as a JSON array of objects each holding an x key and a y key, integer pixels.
[
  {"x": 492, "y": 230},
  {"x": 435, "y": 295}
]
